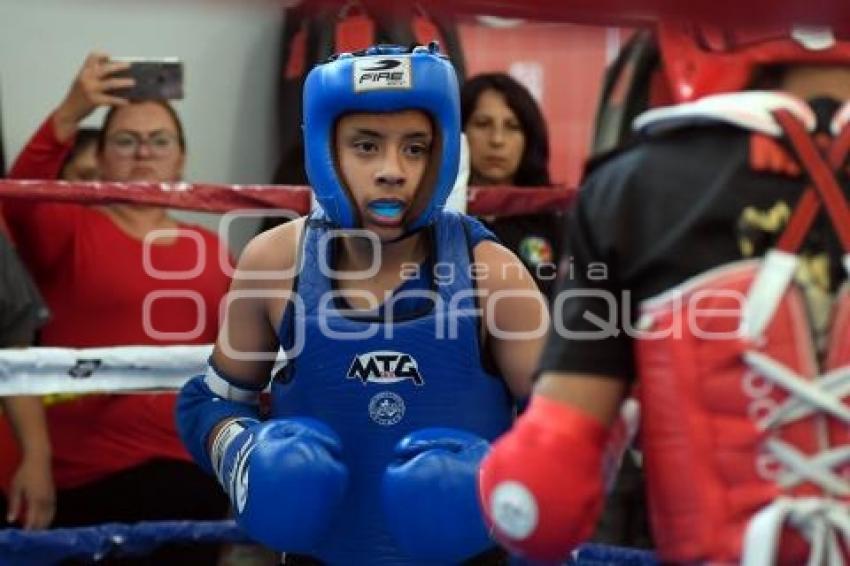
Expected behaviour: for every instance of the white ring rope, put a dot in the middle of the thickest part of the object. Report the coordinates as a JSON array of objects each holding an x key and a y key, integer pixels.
[{"x": 127, "y": 369}]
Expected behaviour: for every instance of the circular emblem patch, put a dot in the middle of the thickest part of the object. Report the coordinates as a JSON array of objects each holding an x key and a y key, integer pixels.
[
  {"x": 514, "y": 510},
  {"x": 386, "y": 408}
]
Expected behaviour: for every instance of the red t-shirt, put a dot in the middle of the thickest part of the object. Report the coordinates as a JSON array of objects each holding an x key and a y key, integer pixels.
[{"x": 103, "y": 289}]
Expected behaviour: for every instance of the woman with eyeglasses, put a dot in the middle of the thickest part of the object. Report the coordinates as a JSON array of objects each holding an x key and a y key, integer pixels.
[{"x": 120, "y": 274}]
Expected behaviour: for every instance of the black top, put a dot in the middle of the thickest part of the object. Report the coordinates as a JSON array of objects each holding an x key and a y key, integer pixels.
[
  {"x": 658, "y": 213},
  {"x": 537, "y": 240},
  {"x": 22, "y": 310}
]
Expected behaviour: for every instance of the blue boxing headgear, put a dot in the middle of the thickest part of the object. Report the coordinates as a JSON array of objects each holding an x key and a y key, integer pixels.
[{"x": 381, "y": 79}]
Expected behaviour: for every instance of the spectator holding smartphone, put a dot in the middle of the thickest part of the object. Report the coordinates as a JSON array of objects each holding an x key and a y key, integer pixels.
[{"x": 117, "y": 457}]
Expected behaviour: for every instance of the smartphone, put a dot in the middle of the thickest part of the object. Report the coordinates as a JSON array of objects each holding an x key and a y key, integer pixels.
[{"x": 156, "y": 79}]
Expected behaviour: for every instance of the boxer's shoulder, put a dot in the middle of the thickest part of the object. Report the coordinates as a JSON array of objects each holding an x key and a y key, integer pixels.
[
  {"x": 499, "y": 267},
  {"x": 272, "y": 251}
]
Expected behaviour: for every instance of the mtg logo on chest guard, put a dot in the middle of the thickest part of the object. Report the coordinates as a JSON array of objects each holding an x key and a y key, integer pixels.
[{"x": 384, "y": 367}]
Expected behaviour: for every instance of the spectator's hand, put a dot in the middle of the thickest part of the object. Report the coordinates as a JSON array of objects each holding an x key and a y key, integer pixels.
[
  {"x": 32, "y": 486},
  {"x": 90, "y": 89}
]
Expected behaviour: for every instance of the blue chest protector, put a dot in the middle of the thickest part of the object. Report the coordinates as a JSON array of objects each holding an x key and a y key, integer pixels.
[{"x": 375, "y": 381}]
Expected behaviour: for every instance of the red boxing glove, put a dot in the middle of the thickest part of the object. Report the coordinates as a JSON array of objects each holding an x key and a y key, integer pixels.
[{"x": 541, "y": 484}]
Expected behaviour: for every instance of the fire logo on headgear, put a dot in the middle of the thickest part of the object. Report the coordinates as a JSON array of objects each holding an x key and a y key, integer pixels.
[{"x": 381, "y": 74}]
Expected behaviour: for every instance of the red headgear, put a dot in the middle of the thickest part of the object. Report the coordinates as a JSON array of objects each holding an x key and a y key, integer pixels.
[{"x": 699, "y": 61}]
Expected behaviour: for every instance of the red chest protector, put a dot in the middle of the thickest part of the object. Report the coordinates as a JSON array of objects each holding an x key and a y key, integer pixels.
[{"x": 746, "y": 439}]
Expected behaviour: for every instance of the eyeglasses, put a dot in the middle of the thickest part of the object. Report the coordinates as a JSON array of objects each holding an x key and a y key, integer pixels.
[{"x": 126, "y": 144}]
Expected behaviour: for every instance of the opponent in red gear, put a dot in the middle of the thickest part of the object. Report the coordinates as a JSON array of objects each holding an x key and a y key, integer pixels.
[
  {"x": 529, "y": 506},
  {"x": 728, "y": 479}
]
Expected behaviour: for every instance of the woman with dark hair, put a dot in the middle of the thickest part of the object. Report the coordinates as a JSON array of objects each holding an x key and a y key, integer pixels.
[
  {"x": 120, "y": 274},
  {"x": 500, "y": 112},
  {"x": 509, "y": 145}
]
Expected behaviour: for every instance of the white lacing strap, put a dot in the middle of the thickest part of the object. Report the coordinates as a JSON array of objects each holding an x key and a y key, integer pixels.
[
  {"x": 805, "y": 398},
  {"x": 803, "y": 392},
  {"x": 836, "y": 383},
  {"x": 822, "y": 522},
  {"x": 840, "y": 119},
  {"x": 766, "y": 291},
  {"x": 819, "y": 520},
  {"x": 817, "y": 469}
]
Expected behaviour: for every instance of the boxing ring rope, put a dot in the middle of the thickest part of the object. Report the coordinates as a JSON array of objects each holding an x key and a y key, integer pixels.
[
  {"x": 125, "y": 369},
  {"x": 40, "y": 548},
  {"x": 37, "y": 548},
  {"x": 202, "y": 197},
  {"x": 128, "y": 369}
]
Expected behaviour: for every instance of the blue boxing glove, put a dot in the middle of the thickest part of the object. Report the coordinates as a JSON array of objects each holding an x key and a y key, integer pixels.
[
  {"x": 430, "y": 495},
  {"x": 284, "y": 478}
]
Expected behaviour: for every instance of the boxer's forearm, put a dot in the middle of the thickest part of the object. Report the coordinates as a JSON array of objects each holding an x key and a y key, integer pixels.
[{"x": 598, "y": 396}]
